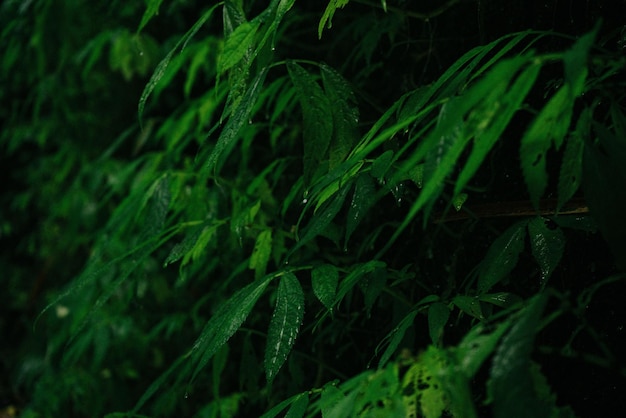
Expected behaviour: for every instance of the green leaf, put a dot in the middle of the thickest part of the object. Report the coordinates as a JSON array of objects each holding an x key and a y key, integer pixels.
[
  {"x": 225, "y": 322},
  {"x": 298, "y": 407},
  {"x": 238, "y": 43},
  {"x": 324, "y": 280},
  {"x": 261, "y": 253},
  {"x": 363, "y": 199},
  {"x": 317, "y": 119},
  {"x": 575, "y": 62},
  {"x": 372, "y": 285},
  {"x": 502, "y": 257},
  {"x": 570, "y": 176},
  {"x": 352, "y": 279},
  {"x": 327, "y": 17},
  {"x": 547, "y": 246},
  {"x": 477, "y": 345},
  {"x": 381, "y": 165},
  {"x": 344, "y": 112},
  {"x": 240, "y": 116},
  {"x": 323, "y": 218},
  {"x": 438, "y": 314},
  {"x": 604, "y": 177},
  {"x": 162, "y": 66},
  {"x": 510, "y": 386},
  {"x": 470, "y": 305},
  {"x": 284, "y": 325},
  {"x": 493, "y": 116},
  {"x": 549, "y": 127},
  {"x": 284, "y": 404},
  {"x": 395, "y": 338},
  {"x": 151, "y": 10}
]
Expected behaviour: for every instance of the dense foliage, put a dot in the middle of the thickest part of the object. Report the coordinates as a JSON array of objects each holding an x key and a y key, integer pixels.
[{"x": 343, "y": 208}]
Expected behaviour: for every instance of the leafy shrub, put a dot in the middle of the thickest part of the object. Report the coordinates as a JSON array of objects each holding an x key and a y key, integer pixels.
[{"x": 311, "y": 216}]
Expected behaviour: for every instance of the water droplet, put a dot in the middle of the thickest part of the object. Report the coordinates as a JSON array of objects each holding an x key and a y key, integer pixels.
[
  {"x": 186, "y": 395},
  {"x": 141, "y": 53},
  {"x": 305, "y": 201}
]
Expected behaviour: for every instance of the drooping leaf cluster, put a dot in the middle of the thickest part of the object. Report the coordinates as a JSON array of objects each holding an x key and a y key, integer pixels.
[{"x": 258, "y": 208}]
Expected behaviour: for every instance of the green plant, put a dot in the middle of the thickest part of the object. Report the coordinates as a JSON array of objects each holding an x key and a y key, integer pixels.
[{"x": 280, "y": 236}]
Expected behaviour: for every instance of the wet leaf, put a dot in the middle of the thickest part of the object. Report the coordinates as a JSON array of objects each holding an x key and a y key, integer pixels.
[
  {"x": 317, "y": 119},
  {"x": 363, "y": 199},
  {"x": 502, "y": 257},
  {"x": 225, "y": 322},
  {"x": 284, "y": 325},
  {"x": 324, "y": 280},
  {"x": 345, "y": 115},
  {"x": 547, "y": 246},
  {"x": 238, "y": 43}
]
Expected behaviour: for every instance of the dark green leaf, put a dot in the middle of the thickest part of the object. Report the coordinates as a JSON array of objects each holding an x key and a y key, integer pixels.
[
  {"x": 604, "y": 177},
  {"x": 548, "y": 128},
  {"x": 470, "y": 305},
  {"x": 345, "y": 115},
  {"x": 323, "y": 218},
  {"x": 284, "y": 325},
  {"x": 225, "y": 322},
  {"x": 395, "y": 338},
  {"x": 438, "y": 314},
  {"x": 240, "y": 116},
  {"x": 317, "y": 119},
  {"x": 362, "y": 200},
  {"x": 570, "y": 176},
  {"x": 324, "y": 280},
  {"x": 162, "y": 66},
  {"x": 502, "y": 257},
  {"x": 510, "y": 385},
  {"x": 547, "y": 246},
  {"x": 298, "y": 407}
]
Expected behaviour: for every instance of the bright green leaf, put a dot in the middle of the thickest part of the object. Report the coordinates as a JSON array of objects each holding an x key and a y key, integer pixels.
[
  {"x": 237, "y": 45},
  {"x": 261, "y": 253},
  {"x": 327, "y": 17},
  {"x": 151, "y": 10}
]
